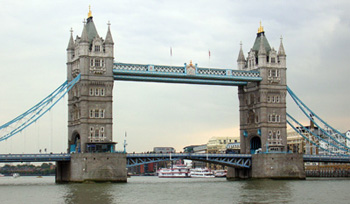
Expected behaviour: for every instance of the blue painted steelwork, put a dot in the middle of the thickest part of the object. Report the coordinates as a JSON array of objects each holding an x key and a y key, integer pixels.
[
  {"x": 312, "y": 142},
  {"x": 34, "y": 157},
  {"x": 232, "y": 160},
  {"x": 301, "y": 105},
  {"x": 178, "y": 80},
  {"x": 326, "y": 158},
  {"x": 177, "y": 74},
  {"x": 36, "y": 112},
  {"x": 315, "y": 135}
]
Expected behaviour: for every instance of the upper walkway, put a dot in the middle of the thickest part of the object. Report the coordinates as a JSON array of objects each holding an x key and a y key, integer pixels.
[{"x": 181, "y": 74}]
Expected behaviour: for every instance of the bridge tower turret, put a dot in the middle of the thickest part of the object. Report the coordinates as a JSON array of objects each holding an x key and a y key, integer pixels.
[
  {"x": 263, "y": 126},
  {"x": 241, "y": 62},
  {"x": 90, "y": 100},
  {"x": 263, "y": 104}
]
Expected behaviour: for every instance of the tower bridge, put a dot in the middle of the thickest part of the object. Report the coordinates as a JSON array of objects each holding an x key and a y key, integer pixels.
[{"x": 261, "y": 79}]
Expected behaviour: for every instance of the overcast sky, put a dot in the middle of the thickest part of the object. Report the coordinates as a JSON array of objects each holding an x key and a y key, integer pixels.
[{"x": 34, "y": 37}]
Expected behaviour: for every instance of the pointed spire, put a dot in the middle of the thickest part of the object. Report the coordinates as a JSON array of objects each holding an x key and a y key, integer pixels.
[
  {"x": 109, "y": 39},
  {"x": 262, "y": 50},
  {"x": 71, "y": 41},
  {"x": 241, "y": 55},
  {"x": 261, "y": 28},
  {"x": 281, "y": 51},
  {"x": 84, "y": 35},
  {"x": 90, "y": 13}
]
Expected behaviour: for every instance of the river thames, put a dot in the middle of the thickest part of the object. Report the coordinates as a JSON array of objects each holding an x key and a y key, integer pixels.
[{"x": 189, "y": 190}]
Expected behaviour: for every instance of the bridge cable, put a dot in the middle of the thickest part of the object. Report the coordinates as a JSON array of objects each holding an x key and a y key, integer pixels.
[
  {"x": 292, "y": 94},
  {"x": 34, "y": 108},
  {"x": 315, "y": 135},
  {"x": 39, "y": 109},
  {"x": 310, "y": 141},
  {"x": 297, "y": 100},
  {"x": 325, "y": 132}
]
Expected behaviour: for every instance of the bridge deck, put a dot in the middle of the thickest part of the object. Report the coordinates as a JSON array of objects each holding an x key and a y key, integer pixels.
[
  {"x": 4, "y": 158},
  {"x": 326, "y": 158},
  {"x": 239, "y": 160},
  {"x": 233, "y": 160},
  {"x": 177, "y": 74}
]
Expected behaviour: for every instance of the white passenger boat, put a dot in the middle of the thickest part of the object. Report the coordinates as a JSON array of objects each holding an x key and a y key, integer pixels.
[
  {"x": 202, "y": 173},
  {"x": 220, "y": 173},
  {"x": 179, "y": 171}
]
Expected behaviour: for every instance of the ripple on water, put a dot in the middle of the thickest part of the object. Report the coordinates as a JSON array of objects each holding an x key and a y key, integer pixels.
[{"x": 187, "y": 190}]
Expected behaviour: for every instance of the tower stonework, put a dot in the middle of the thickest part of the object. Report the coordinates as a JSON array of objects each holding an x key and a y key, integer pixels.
[
  {"x": 90, "y": 101},
  {"x": 262, "y": 105},
  {"x": 90, "y": 118}
]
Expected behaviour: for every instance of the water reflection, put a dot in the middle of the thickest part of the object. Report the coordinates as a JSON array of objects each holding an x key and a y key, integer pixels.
[
  {"x": 265, "y": 191},
  {"x": 89, "y": 193},
  {"x": 157, "y": 190}
]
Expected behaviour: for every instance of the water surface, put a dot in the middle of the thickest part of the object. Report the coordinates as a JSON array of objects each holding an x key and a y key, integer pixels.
[{"x": 175, "y": 190}]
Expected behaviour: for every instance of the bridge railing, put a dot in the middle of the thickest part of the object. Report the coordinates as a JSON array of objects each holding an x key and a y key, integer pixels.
[
  {"x": 34, "y": 157},
  {"x": 326, "y": 158},
  {"x": 181, "y": 71},
  {"x": 187, "y": 154},
  {"x": 233, "y": 160}
]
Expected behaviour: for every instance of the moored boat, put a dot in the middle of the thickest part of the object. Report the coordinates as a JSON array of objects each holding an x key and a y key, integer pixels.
[
  {"x": 220, "y": 173},
  {"x": 179, "y": 171},
  {"x": 201, "y": 173}
]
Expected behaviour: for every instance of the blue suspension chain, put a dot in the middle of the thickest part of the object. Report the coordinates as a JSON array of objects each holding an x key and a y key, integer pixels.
[
  {"x": 34, "y": 108},
  {"x": 38, "y": 108},
  {"x": 296, "y": 100},
  {"x": 296, "y": 130},
  {"x": 294, "y": 96},
  {"x": 308, "y": 130}
]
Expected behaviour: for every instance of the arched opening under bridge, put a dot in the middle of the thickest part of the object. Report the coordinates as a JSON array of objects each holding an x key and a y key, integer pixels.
[{"x": 255, "y": 144}]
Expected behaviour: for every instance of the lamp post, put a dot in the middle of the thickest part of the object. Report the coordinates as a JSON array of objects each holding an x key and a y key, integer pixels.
[{"x": 125, "y": 142}]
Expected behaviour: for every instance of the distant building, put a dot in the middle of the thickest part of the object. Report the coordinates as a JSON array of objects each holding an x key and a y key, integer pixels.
[
  {"x": 189, "y": 149},
  {"x": 196, "y": 149},
  {"x": 347, "y": 134},
  {"x": 163, "y": 150},
  {"x": 144, "y": 169},
  {"x": 295, "y": 142},
  {"x": 218, "y": 144},
  {"x": 298, "y": 144},
  {"x": 233, "y": 148},
  {"x": 200, "y": 149}
]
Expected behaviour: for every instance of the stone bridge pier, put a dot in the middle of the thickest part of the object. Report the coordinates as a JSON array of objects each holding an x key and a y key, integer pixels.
[{"x": 274, "y": 166}]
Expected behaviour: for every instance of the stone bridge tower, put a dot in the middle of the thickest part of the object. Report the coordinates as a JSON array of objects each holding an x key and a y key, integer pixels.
[
  {"x": 90, "y": 100},
  {"x": 90, "y": 116},
  {"x": 263, "y": 104}
]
